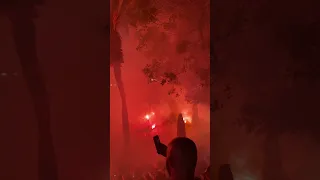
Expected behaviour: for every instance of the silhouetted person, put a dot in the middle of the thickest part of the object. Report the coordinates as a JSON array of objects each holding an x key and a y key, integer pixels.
[
  {"x": 225, "y": 172},
  {"x": 181, "y": 159},
  {"x": 181, "y": 127},
  {"x": 21, "y": 13}
]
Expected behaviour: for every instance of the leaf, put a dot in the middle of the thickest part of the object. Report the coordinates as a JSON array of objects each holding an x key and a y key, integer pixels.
[
  {"x": 141, "y": 13},
  {"x": 172, "y": 91},
  {"x": 170, "y": 76},
  {"x": 163, "y": 82},
  {"x": 148, "y": 71}
]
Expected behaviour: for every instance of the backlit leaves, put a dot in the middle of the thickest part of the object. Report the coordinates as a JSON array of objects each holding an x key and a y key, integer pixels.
[
  {"x": 169, "y": 36},
  {"x": 141, "y": 12}
]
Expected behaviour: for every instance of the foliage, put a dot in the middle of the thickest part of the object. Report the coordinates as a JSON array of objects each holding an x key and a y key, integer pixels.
[
  {"x": 175, "y": 40},
  {"x": 141, "y": 12}
]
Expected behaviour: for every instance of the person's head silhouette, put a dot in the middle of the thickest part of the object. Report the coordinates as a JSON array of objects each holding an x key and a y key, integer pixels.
[{"x": 181, "y": 158}]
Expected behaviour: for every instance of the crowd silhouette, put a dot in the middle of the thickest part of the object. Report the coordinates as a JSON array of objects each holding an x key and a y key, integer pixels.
[{"x": 182, "y": 161}]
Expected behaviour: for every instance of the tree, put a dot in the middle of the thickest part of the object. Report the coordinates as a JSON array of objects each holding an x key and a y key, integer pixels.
[
  {"x": 116, "y": 60},
  {"x": 176, "y": 42},
  {"x": 21, "y": 15}
]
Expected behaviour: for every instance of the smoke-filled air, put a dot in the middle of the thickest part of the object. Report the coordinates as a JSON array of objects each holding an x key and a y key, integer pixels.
[{"x": 163, "y": 72}]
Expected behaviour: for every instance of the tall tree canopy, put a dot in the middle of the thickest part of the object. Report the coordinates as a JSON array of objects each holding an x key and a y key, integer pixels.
[{"x": 176, "y": 42}]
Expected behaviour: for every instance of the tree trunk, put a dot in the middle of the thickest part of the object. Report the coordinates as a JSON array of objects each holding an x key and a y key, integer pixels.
[
  {"x": 125, "y": 119},
  {"x": 25, "y": 41},
  {"x": 273, "y": 168}
]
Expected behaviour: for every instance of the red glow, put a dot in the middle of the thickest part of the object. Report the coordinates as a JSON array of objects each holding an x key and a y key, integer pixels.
[
  {"x": 187, "y": 118},
  {"x": 153, "y": 126},
  {"x": 149, "y": 116}
]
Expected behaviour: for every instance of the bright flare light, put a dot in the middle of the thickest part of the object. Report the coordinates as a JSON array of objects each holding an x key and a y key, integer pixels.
[
  {"x": 148, "y": 116},
  {"x": 186, "y": 118},
  {"x": 153, "y": 126}
]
